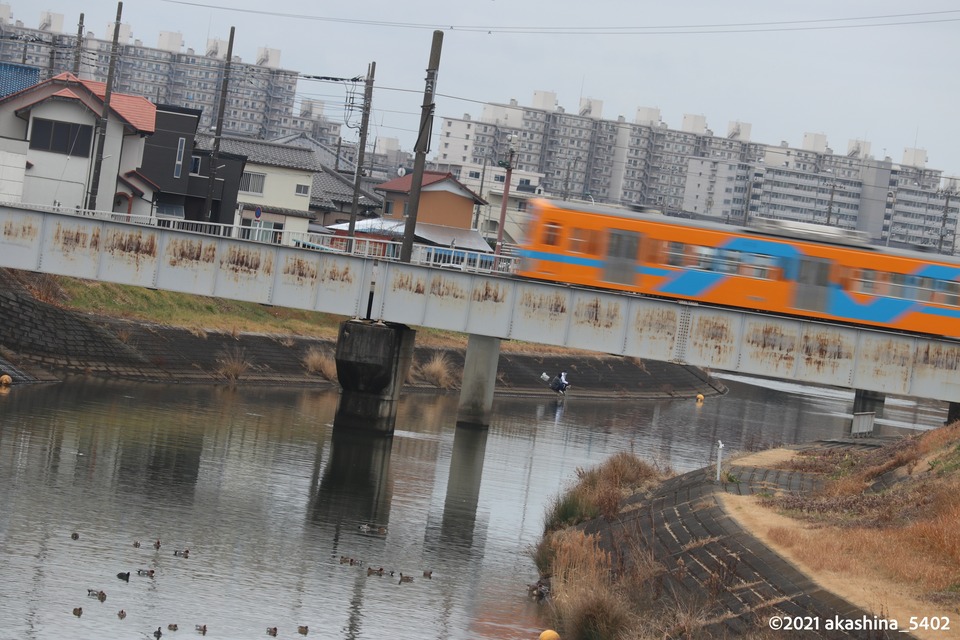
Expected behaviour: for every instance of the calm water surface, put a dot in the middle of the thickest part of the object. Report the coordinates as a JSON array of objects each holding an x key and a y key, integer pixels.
[{"x": 268, "y": 498}]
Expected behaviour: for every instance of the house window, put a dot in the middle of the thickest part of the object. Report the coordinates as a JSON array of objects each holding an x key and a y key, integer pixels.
[
  {"x": 195, "y": 165},
  {"x": 178, "y": 167},
  {"x": 303, "y": 189},
  {"x": 68, "y": 138},
  {"x": 252, "y": 182}
]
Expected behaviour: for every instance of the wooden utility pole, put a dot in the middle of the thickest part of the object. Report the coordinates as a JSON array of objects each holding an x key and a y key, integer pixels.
[
  {"x": 364, "y": 124},
  {"x": 78, "y": 49},
  {"x": 506, "y": 194},
  {"x": 102, "y": 124},
  {"x": 422, "y": 146},
  {"x": 215, "y": 157}
]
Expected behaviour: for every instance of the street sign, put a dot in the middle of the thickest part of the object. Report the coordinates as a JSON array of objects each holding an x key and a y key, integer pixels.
[{"x": 257, "y": 212}]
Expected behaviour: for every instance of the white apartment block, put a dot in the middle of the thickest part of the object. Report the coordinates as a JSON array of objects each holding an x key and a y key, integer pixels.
[
  {"x": 261, "y": 97},
  {"x": 692, "y": 172}
]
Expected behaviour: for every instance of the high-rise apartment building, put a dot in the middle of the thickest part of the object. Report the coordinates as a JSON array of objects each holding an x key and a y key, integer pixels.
[
  {"x": 261, "y": 101},
  {"x": 692, "y": 172}
]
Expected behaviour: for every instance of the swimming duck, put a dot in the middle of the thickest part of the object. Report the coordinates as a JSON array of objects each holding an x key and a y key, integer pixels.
[
  {"x": 172, "y": 626},
  {"x": 136, "y": 544},
  {"x": 183, "y": 553},
  {"x": 157, "y": 634},
  {"x": 156, "y": 545},
  {"x": 145, "y": 572},
  {"x": 125, "y": 576},
  {"x": 374, "y": 572},
  {"x": 364, "y": 527},
  {"x": 428, "y": 574},
  {"x": 121, "y": 614},
  {"x": 303, "y": 630},
  {"x": 346, "y": 560},
  {"x": 78, "y": 611},
  {"x": 74, "y": 536},
  {"x": 97, "y": 593},
  {"x": 404, "y": 578},
  {"x": 202, "y": 629},
  {"x": 272, "y": 631}
]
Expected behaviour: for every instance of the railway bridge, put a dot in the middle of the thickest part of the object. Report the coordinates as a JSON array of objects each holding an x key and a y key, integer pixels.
[{"x": 462, "y": 292}]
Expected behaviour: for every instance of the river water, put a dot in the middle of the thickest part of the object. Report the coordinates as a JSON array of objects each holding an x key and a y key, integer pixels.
[{"x": 270, "y": 500}]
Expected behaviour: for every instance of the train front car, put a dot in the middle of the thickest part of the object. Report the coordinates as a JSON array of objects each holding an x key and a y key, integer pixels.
[{"x": 795, "y": 269}]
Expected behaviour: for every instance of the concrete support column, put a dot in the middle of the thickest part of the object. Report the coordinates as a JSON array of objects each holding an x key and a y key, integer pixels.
[
  {"x": 372, "y": 362},
  {"x": 864, "y": 401},
  {"x": 953, "y": 412},
  {"x": 479, "y": 381}
]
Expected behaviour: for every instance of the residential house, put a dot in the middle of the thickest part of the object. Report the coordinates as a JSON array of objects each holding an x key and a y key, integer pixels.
[
  {"x": 274, "y": 198},
  {"x": 58, "y": 120},
  {"x": 444, "y": 200},
  {"x": 331, "y": 198},
  {"x": 178, "y": 172}
]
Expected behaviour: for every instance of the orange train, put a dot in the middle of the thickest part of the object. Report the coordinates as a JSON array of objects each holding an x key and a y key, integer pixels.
[{"x": 794, "y": 269}]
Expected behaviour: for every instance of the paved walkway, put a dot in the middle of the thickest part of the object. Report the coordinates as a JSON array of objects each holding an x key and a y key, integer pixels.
[{"x": 711, "y": 560}]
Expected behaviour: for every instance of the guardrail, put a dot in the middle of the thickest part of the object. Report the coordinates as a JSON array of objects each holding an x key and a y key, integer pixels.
[{"x": 443, "y": 257}]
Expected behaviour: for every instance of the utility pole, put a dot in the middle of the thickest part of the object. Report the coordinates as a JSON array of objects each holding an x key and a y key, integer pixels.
[
  {"x": 893, "y": 212},
  {"x": 833, "y": 188},
  {"x": 102, "y": 123},
  {"x": 943, "y": 220},
  {"x": 506, "y": 194},
  {"x": 476, "y": 214},
  {"x": 78, "y": 49},
  {"x": 364, "y": 123},
  {"x": 221, "y": 108},
  {"x": 421, "y": 147}
]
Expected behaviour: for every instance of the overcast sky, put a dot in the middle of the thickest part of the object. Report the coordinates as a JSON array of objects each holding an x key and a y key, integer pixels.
[{"x": 877, "y": 70}]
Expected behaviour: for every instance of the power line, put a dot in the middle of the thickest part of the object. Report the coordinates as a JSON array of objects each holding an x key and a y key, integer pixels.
[{"x": 896, "y": 19}]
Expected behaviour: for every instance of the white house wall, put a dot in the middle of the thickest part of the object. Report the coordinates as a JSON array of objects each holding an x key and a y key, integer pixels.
[
  {"x": 279, "y": 188},
  {"x": 13, "y": 164},
  {"x": 56, "y": 178}
]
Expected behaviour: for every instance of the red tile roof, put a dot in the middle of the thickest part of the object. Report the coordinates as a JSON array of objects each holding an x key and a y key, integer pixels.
[{"x": 138, "y": 112}]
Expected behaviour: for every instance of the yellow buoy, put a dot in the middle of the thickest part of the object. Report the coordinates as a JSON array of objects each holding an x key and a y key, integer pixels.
[
  {"x": 549, "y": 634},
  {"x": 5, "y": 380},
  {"x": 699, "y": 397}
]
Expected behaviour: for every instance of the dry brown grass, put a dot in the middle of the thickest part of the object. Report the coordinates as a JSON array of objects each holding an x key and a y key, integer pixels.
[
  {"x": 320, "y": 362},
  {"x": 232, "y": 363},
  {"x": 907, "y": 533},
  {"x": 198, "y": 332},
  {"x": 438, "y": 372},
  {"x": 124, "y": 335}
]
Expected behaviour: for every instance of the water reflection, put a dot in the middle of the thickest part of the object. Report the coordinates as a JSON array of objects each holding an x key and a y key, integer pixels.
[{"x": 268, "y": 496}]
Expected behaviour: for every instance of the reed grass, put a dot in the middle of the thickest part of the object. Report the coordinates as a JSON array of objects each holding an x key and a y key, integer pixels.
[{"x": 321, "y": 362}]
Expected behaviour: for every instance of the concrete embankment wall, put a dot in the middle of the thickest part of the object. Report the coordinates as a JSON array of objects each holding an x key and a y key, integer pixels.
[{"x": 39, "y": 340}]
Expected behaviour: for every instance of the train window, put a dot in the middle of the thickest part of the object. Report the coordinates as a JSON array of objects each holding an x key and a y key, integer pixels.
[
  {"x": 728, "y": 261},
  {"x": 756, "y": 265},
  {"x": 551, "y": 234},
  {"x": 924, "y": 289},
  {"x": 950, "y": 292},
  {"x": 583, "y": 241},
  {"x": 675, "y": 254},
  {"x": 867, "y": 282},
  {"x": 705, "y": 256},
  {"x": 898, "y": 286}
]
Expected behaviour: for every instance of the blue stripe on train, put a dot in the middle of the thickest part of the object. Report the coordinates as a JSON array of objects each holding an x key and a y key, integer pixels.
[{"x": 884, "y": 310}]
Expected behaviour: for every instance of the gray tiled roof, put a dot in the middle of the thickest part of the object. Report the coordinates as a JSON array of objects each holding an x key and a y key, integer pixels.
[
  {"x": 333, "y": 189},
  {"x": 267, "y": 153}
]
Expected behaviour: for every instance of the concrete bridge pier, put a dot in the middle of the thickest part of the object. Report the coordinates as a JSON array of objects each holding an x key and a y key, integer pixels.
[
  {"x": 864, "y": 401},
  {"x": 372, "y": 362},
  {"x": 953, "y": 412},
  {"x": 479, "y": 381}
]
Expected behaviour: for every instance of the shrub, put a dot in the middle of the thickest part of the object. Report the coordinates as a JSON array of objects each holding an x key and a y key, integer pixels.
[{"x": 438, "y": 372}]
